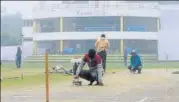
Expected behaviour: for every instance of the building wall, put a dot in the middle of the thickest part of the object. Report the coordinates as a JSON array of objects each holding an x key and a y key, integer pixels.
[
  {"x": 96, "y": 8},
  {"x": 73, "y": 27},
  {"x": 90, "y": 16},
  {"x": 94, "y": 35},
  {"x": 145, "y": 24},
  {"x": 27, "y": 49},
  {"x": 98, "y": 23},
  {"x": 9, "y": 52},
  {"x": 168, "y": 36},
  {"x": 110, "y": 12},
  {"x": 27, "y": 28},
  {"x": 27, "y": 32},
  {"x": 55, "y": 22},
  {"x": 82, "y": 46}
]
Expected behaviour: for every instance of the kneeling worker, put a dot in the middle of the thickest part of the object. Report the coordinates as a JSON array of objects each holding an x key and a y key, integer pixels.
[
  {"x": 95, "y": 71},
  {"x": 136, "y": 63}
]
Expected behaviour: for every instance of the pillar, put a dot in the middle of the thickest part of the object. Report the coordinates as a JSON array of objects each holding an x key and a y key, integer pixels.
[
  {"x": 158, "y": 24},
  {"x": 35, "y": 28},
  {"x": 121, "y": 41},
  {"x": 61, "y": 30}
]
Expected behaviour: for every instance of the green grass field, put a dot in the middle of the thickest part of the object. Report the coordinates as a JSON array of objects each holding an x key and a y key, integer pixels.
[{"x": 34, "y": 73}]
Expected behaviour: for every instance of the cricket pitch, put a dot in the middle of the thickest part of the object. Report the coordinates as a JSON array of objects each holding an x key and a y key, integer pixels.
[{"x": 153, "y": 85}]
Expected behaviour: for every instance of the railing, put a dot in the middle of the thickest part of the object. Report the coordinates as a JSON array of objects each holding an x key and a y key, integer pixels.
[{"x": 67, "y": 58}]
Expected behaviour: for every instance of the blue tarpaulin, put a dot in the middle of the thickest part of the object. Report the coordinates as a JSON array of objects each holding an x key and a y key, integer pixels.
[
  {"x": 68, "y": 51},
  {"x": 136, "y": 28}
]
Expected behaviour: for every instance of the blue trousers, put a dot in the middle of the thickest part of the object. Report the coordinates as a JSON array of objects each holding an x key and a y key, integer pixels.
[{"x": 18, "y": 62}]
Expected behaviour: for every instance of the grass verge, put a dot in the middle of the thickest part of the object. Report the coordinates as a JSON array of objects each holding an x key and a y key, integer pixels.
[{"x": 33, "y": 80}]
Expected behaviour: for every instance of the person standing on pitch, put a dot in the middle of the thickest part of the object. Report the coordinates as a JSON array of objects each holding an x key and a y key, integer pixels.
[
  {"x": 102, "y": 45},
  {"x": 18, "y": 57}
]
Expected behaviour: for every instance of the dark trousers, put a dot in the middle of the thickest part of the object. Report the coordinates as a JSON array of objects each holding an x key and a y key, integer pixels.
[
  {"x": 85, "y": 74},
  {"x": 103, "y": 55},
  {"x": 138, "y": 68},
  {"x": 18, "y": 62},
  {"x": 125, "y": 61}
]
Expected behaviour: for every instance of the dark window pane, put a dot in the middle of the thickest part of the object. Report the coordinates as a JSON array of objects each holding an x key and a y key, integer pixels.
[
  {"x": 52, "y": 47},
  {"x": 31, "y": 23},
  {"x": 69, "y": 24},
  {"x": 143, "y": 24},
  {"x": 50, "y": 25},
  {"x": 79, "y": 46},
  {"x": 90, "y": 24},
  {"x": 28, "y": 23},
  {"x": 142, "y": 46},
  {"x": 114, "y": 46}
]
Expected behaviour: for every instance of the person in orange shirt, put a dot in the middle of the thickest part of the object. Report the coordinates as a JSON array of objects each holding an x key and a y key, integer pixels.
[{"x": 102, "y": 45}]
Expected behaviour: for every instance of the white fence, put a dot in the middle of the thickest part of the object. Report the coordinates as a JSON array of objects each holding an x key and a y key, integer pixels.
[{"x": 9, "y": 52}]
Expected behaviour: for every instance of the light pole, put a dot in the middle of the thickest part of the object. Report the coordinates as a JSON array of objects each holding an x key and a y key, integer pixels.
[{"x": 22, "y": 57}]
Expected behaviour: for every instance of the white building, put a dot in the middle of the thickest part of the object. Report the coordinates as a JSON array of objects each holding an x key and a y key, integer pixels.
[{"x": 76, "y": 24}]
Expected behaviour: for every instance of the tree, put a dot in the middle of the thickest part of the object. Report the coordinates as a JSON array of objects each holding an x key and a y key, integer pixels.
[{"x": 11, "y": 26}]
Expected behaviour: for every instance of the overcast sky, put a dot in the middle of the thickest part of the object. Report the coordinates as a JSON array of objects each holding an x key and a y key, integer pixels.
[{"x": 24, "y": 7}]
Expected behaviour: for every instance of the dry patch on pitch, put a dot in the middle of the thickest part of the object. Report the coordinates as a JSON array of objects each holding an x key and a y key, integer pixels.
[
  {"x": 120, "y": 82},
  {"x": 115, "y": 84}
]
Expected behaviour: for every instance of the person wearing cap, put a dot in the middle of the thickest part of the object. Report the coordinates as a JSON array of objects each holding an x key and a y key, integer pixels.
[
  {"x": 135, "y": 63},
  {"x": 95, "y": 71},
  {"x": 102, "y": 45}
]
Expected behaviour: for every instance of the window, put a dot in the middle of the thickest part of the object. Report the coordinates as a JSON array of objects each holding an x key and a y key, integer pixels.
[
  {"x": 140, "y": 24},
  {"x": 49, "y": 25},
  {"x": 78, "y": 46},
  {"x": 28, "y": 23},
  {"x": 114, "y": 46},
  {"x": 82, "y": 46},
  {"x": 52, "y": 47},
  {"x": 90, "y": 24},
  {"x": 69, "y": 24},
  {"x": 142, "y": 46}
]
